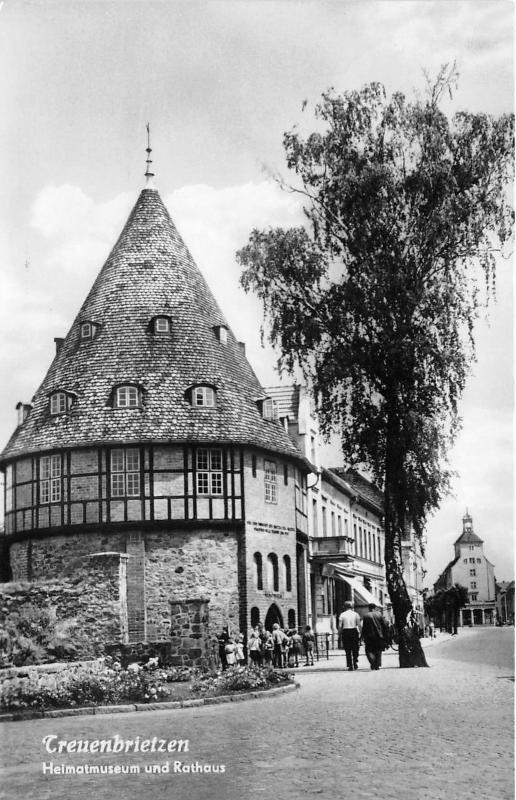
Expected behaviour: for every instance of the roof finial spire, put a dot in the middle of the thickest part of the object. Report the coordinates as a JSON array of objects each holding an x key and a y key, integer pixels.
[{"x": 148, "y": 174}]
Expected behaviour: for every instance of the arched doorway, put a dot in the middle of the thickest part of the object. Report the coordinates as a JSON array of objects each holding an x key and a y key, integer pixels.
[{"x": 273, "y": 615}]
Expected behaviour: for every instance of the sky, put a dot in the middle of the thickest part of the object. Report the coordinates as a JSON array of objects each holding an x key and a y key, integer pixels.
[{"x": 220, "y": 82}]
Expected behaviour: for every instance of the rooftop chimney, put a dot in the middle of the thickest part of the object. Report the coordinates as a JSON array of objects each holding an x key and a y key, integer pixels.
[
  {"x": 59, "y": 343},
  {"x": 23, "y": 410}
]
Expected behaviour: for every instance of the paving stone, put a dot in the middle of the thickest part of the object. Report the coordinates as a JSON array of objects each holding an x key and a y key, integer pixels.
[{"x": 444, "y": 733}]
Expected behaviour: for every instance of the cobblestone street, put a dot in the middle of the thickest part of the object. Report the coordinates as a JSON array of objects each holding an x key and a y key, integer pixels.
[{"x": 444, "y": 732}]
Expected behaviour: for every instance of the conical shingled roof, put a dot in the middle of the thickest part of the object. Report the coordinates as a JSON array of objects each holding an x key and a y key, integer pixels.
[{"x": 148, "y": 273}]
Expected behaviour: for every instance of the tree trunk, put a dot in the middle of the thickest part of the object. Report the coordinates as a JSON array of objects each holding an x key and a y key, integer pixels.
[{"x": 409, "y": 645}]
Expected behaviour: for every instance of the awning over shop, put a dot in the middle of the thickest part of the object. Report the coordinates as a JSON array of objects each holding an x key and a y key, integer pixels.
[{"x": 363, "y": 594}]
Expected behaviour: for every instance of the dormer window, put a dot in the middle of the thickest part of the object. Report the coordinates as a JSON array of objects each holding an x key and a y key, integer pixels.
[
  {"x": 221, "y": 332},
  {"x": 127, "y": 397},
  {"x": 89, "y": 330},
  {"x": 161, "y": 325},
  {"x": 269, "y": 409},
  {"x": 203, "y": 396},
  {"x": 60, "y": 402}
]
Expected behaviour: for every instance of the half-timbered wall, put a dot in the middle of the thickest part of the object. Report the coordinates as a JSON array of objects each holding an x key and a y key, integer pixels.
[{"x": 123, "y": 484}]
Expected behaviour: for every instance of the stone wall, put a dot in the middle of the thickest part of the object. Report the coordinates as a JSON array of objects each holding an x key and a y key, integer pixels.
[
  {"x": 50, "y": 556},
  {"x": 189, "y": 632},
  {"x": 189, "y": 564},
  {"x": 46, "y": 675},
  {"x": 87, "y": 606}
]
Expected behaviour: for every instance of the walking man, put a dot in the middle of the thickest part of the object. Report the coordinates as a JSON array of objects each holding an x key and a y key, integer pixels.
[
  {"x": 375, "y": 633},
  {"x": 349, "y": 629}
]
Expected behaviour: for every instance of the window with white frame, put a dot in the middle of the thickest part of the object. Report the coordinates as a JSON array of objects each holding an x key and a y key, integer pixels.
[
  {"x": 127, "y": 397},
  {"x": 221, "y": 332},
  {"x": 474, "y": 596},
  {"x": 59, "y": 402},
  {"x": 161, "y": 325},
  {"x": 473, "y": 572},
  {"x": 203, "y": 396},
  {"x": 270, "y": 409},
  {"x": 209, "y": 471},
  {"x": 473, "y": 585},
  {"x": 271, "y": 489},
  {"x": 89, "y": 330},
  {"x": 50, "y": 479},
  {"x": 125, "y": 472}
]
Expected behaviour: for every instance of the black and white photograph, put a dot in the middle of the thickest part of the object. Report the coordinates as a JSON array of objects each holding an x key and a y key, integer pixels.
[{"x": 257, "y": 399}]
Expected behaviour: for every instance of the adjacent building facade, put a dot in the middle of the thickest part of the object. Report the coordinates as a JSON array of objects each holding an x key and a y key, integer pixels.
[
  {"x": 345, "y": 528},
  {"x": 505, "y": 602},
  {"x": 472, "y": 569}
]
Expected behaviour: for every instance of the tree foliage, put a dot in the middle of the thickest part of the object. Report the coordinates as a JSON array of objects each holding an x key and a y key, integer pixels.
[
  {"x": 376, "y": 297},
  {"x": 445, "y": 604}
]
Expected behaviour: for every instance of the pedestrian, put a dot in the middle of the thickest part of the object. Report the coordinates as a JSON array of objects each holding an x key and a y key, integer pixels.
[
  {"x": 349, "y": 630},
  {"x": 308, "y": 645},
  {"x": 230, "y": 649},
  {"x": 280, "y": 640},
  {"x": 222, "y": 640},
  {"x": 296, "y": 643},
  {"x": 431, "y": 629},
  {"x": 375, "y": 633},
  {"x": 239, "y": 649},
  {"x": 254, "y": 646},
  {"x": 267, "y": 649}
]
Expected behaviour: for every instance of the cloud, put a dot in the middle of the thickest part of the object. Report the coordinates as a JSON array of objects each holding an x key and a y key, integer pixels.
[
  {"x": 65, "y": 212},
  {"x": 217, "y": 222}
]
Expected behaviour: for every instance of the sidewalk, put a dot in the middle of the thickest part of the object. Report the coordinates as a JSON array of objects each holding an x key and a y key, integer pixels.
[{"x": 337, "y": 658}]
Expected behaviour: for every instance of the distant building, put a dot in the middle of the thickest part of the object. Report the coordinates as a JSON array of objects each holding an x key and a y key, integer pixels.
[
  {"x": 471, "y": 568},
  {"x": 505, "y": 601}
]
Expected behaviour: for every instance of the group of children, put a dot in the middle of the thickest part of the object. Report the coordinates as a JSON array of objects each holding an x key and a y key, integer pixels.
[{"x": 278, "y": 648}]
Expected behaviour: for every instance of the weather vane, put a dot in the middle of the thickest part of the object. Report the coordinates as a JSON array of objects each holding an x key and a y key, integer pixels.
[{"x": 148, "y": 173}]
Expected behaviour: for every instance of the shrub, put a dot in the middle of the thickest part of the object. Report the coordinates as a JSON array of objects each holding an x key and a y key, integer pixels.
[
  {"x": 36, "y": 636},
  {"x": 237, "y": 679},
  {"x": 83, "y": 686}
]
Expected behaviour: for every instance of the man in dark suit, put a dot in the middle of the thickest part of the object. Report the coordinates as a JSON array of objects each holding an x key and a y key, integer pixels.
[{"x": 375, "y": 634}]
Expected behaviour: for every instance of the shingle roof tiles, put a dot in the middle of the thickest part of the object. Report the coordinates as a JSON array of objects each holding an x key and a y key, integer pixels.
[
  {"x": 149, "y": 272},
  {"x": 468, "y": 537}
]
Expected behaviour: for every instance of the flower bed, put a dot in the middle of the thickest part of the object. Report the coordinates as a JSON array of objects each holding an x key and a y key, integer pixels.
[
  {"x": 236, "y": 679},
  {"x": 110, "y": 684}
]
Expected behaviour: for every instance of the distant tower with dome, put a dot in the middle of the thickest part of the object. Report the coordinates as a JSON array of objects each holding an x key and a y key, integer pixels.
[{"x": 472, "y": 569}]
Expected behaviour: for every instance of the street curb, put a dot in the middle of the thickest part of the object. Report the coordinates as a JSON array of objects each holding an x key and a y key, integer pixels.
[{"x": 164, "y": 706}]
